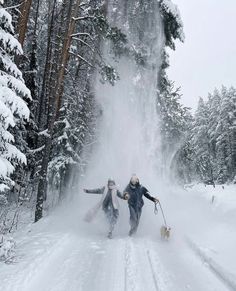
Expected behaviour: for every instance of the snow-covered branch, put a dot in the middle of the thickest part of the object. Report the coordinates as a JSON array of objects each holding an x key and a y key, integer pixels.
[{"x": 81, "y": 58}]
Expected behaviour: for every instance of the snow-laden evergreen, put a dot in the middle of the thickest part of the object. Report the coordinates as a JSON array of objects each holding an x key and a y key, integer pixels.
[
  {"x": 13, "y": 109},
  {"x": 173, "y": 24},
  {"x": 174, "y": 118},
  {"x": 76, "y": 125},
  {"x": 210, "y": 145}
]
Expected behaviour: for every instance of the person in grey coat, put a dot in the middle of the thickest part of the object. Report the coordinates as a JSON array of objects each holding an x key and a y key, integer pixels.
[
  {"x": 134, "y": 193},
  {"x": 109, "y": 202}
]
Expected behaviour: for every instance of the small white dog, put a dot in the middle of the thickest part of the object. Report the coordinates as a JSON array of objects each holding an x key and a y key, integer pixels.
[{"x": 165, "y": 232}]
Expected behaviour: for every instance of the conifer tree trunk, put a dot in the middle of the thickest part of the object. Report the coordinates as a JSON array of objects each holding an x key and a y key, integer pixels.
[
  {"x": 33, "y": 56},
  {"x": 23, "y": 20},
  {"x": 43, "y": 96}
]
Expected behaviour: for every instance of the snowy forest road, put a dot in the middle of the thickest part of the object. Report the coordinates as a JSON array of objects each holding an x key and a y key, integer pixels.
[
  {"x": 101, "y": 132},
  {"x": 69, "y": 262},
  {"x": 64, "y": 253}
]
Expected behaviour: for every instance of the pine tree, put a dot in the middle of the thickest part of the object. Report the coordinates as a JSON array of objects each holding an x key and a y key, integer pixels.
[
  {"x": 174, "y": 118},
  {"x": 224, "y": 137},
  {"x": 214, "y": 104},
  {"x": 173, "y": 25},
  {"x": 76, "y": 112},
  {"x": 232, "y": 136},
  {"x": 210, "y": 143},
  {"x": 200, "y": 142},
  {"x": 13, "y": 110}
]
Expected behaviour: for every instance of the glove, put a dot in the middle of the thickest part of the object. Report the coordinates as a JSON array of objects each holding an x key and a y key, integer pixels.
[
  {"x": 126, "y": 196},
  {"x": 156, "y": 200}
]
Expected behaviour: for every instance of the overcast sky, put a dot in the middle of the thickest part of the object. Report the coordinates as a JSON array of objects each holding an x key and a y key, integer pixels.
[{"x": 207, "y": 59}]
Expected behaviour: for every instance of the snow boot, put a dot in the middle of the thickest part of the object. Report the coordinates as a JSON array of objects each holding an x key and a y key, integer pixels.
[
  {"x": 109, "y": 235},
  {"x": 132, "y": 232}
]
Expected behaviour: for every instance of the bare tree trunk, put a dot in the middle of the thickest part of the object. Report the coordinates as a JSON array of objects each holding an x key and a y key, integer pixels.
[
  {"x": 43, "y": 95},
  {"x": 24, "y": 16},
  {"x": 72, "y": 13},
  {"x": 31, "y": 73}
]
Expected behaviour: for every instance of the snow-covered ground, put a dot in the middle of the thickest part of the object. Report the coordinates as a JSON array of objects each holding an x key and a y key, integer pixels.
[
  {"x": 215, "y": 244},
  {"x": 62, "y": 252}
]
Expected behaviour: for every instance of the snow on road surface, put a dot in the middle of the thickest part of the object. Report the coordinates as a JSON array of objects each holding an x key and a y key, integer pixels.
[
  {"x": 59, "y": 255},
  {"x": 63, "y": 253}
]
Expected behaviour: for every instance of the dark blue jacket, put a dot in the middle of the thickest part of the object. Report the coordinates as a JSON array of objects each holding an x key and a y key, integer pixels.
[{"x": 136, "y": 195}]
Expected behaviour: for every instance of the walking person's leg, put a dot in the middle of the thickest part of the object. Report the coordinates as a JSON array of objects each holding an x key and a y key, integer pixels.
[
  {"x": 139, "y": 212},
  {"x": 134, "y": 220},
  {"x": 113, "y": 220},
  {"x": 108, "y": 215},
  {"x": 112, "y": 216},
  {"x": 115, "y": 217}
]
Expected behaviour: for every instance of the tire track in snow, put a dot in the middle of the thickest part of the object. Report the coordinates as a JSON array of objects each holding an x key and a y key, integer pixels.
[
  {"x": 106, "y": 270},
  {"x": 161, "y": 277},
  {"x": 129, "y": 283},
  {"x": 216, "y": 269},
  {"x": 67, "y": 266},
  {"x": 126, "y": 266},
  {"x": 152, "y": 270},
  {"x": 141, "y": 272},
  {"x": 185, "y": 271},
  {"x": 76, "y": 267}
]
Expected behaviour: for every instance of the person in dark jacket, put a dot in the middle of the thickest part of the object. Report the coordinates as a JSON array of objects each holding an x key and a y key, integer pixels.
[
  {"x": 134, "y": 193},
  {"x": 109, "y": 202}
]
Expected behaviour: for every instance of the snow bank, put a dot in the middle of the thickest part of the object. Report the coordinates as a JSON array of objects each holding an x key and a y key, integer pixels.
[
  {"x": 7, "y": 246},
  {"x": 222, "y": 197}
]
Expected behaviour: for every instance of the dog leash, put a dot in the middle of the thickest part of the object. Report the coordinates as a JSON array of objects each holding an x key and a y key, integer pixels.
[
  {"x": 155, "y": 209},
  {"x": 162, "y": 212}
]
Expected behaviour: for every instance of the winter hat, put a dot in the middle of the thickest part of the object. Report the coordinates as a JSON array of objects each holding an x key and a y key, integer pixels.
[
  {"x": 111, "y": 183},
  {"x": 134, "y": 180}
]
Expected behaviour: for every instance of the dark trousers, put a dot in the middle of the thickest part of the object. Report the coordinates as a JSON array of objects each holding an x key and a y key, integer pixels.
[
  {"x": 135, "y": 214},
  {"x": 112, "y": 215}
]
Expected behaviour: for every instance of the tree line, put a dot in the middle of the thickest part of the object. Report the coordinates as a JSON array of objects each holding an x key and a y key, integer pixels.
[
  {"x": 49, "y": 112},
  {"x": 207, "y": 152},
  {"x": 48, "y": 108}
]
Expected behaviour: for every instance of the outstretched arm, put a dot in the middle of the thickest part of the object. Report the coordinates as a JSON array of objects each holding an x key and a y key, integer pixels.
[
  {"x": 95, "y": 191},
  {"x": 148, "y": 196}
]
